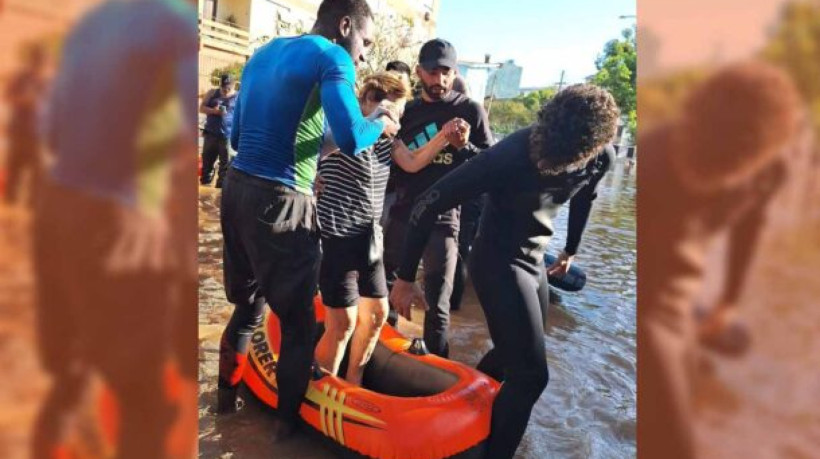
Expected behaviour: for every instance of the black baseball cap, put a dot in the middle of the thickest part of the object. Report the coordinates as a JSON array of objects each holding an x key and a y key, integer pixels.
[
  {"x": 225, "y": 80},
  {"x": 438, "y": 53}
]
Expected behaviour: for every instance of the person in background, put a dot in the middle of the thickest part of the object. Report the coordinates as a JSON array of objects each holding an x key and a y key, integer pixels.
[
  {"x": 352, "y": 278},
  {"x": 399, "y": 67},
  {"x": 422, "y": 120},
  {"x": 218, "y": 104},
  {"x": 468, "y": 226},
  {"x": 460, "y": 85},
  {"x": 24, "y": 94},
  {"x": 402, "y": 69}
]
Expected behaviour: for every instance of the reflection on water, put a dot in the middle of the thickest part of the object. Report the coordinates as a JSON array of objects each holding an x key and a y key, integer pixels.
[{"x": 588, "y": 409}]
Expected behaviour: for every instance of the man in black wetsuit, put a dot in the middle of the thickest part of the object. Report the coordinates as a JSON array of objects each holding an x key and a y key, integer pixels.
[
  {"x": 714, "y": 170},
  {"x": 422, "y": 119},
  {"x": 527, "y": 177}
]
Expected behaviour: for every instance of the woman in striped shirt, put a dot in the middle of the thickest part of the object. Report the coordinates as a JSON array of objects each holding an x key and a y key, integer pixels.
[{"x": 352, "y": 280}]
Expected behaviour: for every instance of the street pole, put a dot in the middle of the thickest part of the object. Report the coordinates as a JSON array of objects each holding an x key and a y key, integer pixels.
[{"x": 561, "y": 83}]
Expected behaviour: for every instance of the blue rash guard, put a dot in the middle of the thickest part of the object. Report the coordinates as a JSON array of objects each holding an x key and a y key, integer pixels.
[{"x": 292, "y": 89}]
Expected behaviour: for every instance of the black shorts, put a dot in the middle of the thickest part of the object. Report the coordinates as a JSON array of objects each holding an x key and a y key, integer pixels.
[{"x": 346, "y": 274}]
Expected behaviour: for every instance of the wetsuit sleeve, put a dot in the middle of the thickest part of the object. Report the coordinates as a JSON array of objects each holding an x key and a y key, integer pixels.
[
  {"x": 481, "y": 137},
  {"x": 580, "y": 206},
  {"x": 465, "y": 182},
  {"x": 352, "y": 131},
  {"x": 744, "y": 237}
]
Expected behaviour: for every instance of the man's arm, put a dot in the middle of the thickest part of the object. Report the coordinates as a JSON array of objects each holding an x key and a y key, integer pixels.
[
  {"x": 580, "y": 206},
  {"x": 414, "y": 161},
  {"x": 744, "y": 238},
  {"x": 465, "y": 182},
  {"x": 203, "y": 106},
  {"x": 352, "y": 131},
  {"x": 481, "y": 137},
  {"x": 743, "y": 242}
]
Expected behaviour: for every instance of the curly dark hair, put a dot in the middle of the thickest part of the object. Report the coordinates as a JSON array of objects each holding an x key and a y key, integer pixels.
[
  {"x": 736, "y": 121},
  {"x": 572, "y": 127}
]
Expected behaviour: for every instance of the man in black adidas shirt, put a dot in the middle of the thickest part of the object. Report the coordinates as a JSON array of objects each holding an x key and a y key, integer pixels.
[{"x": 422, "y": 119}]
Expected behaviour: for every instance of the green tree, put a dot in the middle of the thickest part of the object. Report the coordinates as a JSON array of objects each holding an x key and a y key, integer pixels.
[
  {"x": 394, "y": 40},
  {"x": 234, "y": 70},
  {"x": 794, "y": 46},
  {"x": 534, "y": 100},
  {"x": 508, "y": 116},
  {"x": 617, "y": 72}
]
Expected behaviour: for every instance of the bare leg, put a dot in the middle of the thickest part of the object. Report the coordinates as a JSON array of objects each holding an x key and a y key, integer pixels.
[
  {"x": 339, "y": 324},
  {"x": 372, "y": 314}
]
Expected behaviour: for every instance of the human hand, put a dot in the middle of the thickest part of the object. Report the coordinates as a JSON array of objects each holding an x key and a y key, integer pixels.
[
  {"x": 723, "y": 331},
  {"x": 391, "y": 126},
  {"x": 404, "y": 295},
  {"x": 459, "y": 133},
  {"x": 716, "y": 320},
  {"x": 561, "y": 266},
  {"x": 395, "y": 110},
  {"x": 318, "y": 185},
  {"x": 143, "y": 243}
]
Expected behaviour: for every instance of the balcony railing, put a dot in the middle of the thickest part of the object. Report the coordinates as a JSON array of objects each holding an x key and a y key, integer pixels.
[{"x": 224, "y": 37}]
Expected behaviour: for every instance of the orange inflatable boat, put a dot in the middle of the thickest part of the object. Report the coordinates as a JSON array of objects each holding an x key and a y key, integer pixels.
[{"x": 412, "y": 405}]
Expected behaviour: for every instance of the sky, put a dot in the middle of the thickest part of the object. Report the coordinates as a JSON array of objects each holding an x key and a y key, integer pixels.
[{"x": 542, "y": 36}]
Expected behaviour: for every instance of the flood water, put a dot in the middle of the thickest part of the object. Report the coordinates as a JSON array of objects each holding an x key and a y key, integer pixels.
[{"x": 588, "y": 409}]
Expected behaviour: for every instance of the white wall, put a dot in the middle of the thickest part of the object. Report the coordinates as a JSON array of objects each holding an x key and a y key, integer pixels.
[
  {"x": 263, "y": 19},
  {"x": 476, "y": 78},
  {"x": 241, "y": 9}
]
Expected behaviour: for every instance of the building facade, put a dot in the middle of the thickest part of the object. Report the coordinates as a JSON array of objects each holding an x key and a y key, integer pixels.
[
  {"x": 488, "y": 79},
  {"x": 230, "y": 30}
]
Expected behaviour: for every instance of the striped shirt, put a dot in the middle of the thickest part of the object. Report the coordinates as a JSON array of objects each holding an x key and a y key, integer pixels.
[{"x": 353, "y": 194}]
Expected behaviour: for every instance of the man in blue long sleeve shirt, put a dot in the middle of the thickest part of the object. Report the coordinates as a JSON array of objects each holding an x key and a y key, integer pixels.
[{"x": 292, "y": 90}]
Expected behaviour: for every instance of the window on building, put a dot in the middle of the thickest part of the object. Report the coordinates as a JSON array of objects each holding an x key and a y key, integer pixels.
[{"x": 209, "y": 9}]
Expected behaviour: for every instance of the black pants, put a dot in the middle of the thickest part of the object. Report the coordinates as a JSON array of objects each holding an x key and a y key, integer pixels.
[
  {"x": 271, "y": 255},
  {"x": 214, "y": 147},
  {"x": 91, "y": 320},
  {"x": 514, "y": 300},
  {"x": 23, "y": 159},
  {"x": 470, "y": 214},
  {"x": 440, "y": 259}
]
